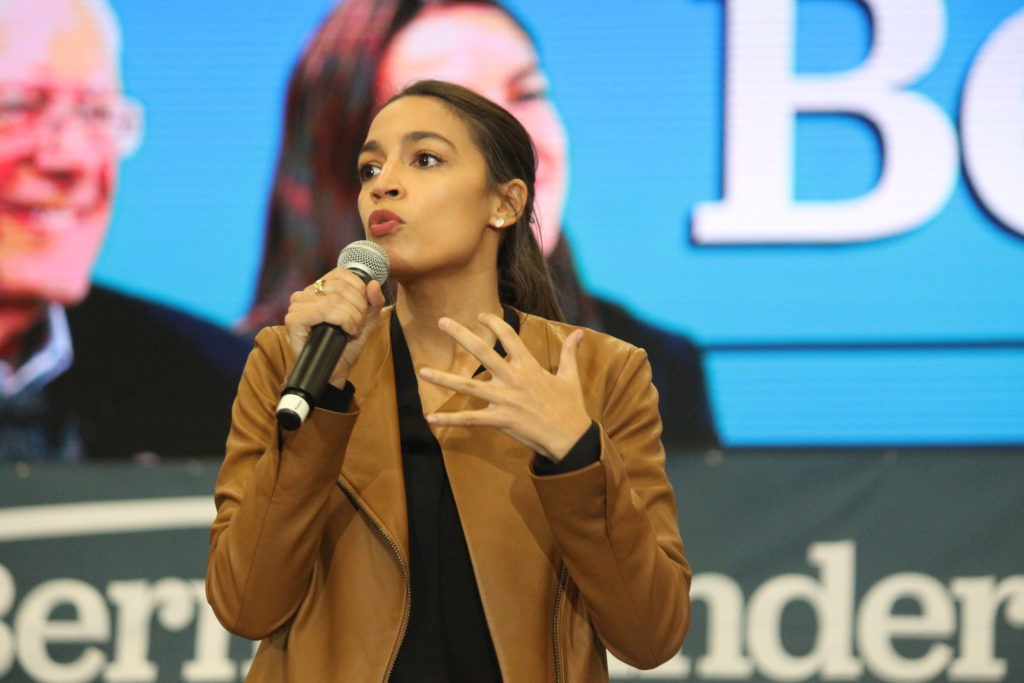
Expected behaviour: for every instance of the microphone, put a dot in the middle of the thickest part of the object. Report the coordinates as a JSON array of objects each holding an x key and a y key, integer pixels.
[{"x": 308, "y": 378}]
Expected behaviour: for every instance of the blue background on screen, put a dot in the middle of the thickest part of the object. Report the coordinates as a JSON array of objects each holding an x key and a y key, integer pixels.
[{"x": 914, "y": 339}]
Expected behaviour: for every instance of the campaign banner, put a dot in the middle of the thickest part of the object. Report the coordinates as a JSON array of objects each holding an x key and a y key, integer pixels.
[{"x": 893, "y": 566}]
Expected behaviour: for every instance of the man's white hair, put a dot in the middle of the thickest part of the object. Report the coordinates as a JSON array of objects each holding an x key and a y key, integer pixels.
[
  {"x": 17, "y": 11},
  {"x": 109, "y": 24},
  {"x": 47, "y": 15}
]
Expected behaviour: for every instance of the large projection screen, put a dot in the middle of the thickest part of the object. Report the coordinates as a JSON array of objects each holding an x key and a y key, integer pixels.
[{"x": 826, "y": 196}]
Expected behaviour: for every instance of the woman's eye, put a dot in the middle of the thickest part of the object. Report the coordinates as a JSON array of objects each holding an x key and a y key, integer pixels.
[
  {"x": 367, "y": 171},
  {"x": 531, "y": 95},
  {"x": 426, "y": 159}
]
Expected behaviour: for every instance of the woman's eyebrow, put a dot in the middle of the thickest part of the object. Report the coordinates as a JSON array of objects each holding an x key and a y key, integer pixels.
[
  {"x": 412, "y": 136},
  {"x": 417, "y": 135},
  {"x": 531, "y": 69},
  {"x": 370, "y": 146}
]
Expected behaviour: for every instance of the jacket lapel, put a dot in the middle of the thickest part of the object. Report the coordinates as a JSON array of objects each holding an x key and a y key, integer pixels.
[{"x": 372, "y": 468}]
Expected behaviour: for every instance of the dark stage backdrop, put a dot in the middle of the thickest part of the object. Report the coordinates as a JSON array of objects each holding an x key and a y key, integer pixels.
[{"x": 894, "y": 566}]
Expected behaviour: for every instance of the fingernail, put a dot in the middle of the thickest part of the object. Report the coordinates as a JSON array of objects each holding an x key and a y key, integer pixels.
[
  {"x": 443, "y": 323},
  {"x": 426, "y": 373}
]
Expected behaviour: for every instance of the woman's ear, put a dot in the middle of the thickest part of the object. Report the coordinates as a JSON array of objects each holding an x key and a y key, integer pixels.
[{"x": 511, "y": 204}]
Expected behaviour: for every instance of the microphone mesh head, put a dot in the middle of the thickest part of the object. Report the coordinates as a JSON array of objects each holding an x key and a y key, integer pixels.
[{"x": 368, "y": 257}]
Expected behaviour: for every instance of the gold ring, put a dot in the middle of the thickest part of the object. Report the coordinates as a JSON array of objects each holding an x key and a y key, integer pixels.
[{"x": 318, "y": 287}]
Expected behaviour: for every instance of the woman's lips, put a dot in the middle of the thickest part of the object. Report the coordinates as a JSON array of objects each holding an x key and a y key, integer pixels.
[
  {"x": 380, "y": 229},
  {"x": 383, "y": 222}
]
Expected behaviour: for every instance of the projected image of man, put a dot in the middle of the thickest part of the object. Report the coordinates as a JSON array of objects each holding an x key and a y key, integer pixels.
[{"x": 78, "y": 368}]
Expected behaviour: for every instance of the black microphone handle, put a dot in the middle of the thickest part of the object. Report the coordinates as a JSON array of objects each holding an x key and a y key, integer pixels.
[
  {"x": 308, "y": 379},
  {"x": 313, "y": 368}
]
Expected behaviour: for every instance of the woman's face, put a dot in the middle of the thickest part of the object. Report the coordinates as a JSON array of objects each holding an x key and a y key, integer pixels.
[
  {"x": 424, "y": 194},
  {"x": 481, "y": 48}
]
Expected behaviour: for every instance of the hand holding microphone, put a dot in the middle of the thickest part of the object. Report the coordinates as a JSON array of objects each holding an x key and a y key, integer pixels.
[{"x": 321, "y": 321}]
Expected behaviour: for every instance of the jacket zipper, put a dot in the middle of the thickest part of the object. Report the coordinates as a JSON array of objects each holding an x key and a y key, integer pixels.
[
  {"x": 562, "y": 575},
  {"x": 401, "y": 563}
]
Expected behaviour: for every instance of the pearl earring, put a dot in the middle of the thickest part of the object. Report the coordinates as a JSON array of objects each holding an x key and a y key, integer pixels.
[{"x": 500, "y": 222}]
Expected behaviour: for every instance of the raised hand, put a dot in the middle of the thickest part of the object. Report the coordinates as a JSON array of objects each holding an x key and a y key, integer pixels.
[{"x": 542, "y": 410}]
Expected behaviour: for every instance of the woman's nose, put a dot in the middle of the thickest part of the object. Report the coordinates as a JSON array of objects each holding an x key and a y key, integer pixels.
[{"x": 386, "y": 184}]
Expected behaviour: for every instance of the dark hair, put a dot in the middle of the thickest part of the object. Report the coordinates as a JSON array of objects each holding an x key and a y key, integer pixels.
[
  {"x": 523, "y": 278},
  {"x": 330, "y": 103}
]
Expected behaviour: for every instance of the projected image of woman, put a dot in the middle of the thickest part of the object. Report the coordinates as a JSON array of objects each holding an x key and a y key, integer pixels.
[{"x": 364, "y": 52}]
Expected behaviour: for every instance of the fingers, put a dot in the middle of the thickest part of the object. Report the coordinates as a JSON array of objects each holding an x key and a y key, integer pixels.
[
  {"x": 468, "y": 340},
  {"x": 375, "y": 294},
  {"x": 342, "y": 300},
  {"x": 469, "y": 386},
  {"x": 510, "y": 341},
  {"x": 567, "y": 363},
  {"x": 542, "y": 410},
  {"x": 341, "y": 287},
  {"x": 375, "y": 299},
  {"x": 339, "y": 298},
  {"x": 514, "y": 348}
]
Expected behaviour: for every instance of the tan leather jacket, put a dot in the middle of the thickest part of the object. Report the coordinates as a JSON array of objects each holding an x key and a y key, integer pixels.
[{"x": 309, "y": 550}]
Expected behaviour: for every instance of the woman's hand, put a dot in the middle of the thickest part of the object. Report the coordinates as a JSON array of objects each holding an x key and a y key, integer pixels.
[
  {"x": 541, "y": 410},
  {"x": 342, "y": 300}
]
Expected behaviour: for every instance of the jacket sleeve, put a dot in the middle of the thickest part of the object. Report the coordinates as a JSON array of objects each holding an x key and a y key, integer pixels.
[
  {"x": 271, "y": 496},
  {"x": 615, "y": 524}
]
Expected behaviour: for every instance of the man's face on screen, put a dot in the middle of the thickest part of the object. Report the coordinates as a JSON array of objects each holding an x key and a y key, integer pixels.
[
  {"x": 483, "y": 49},
  {"x": 60, "y": 108}
]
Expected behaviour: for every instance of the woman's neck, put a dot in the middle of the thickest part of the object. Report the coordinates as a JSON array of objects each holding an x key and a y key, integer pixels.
[{"x": 421, "y": 305}]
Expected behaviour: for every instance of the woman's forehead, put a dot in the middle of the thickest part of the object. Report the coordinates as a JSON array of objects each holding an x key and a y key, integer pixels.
[
  {"x": 414, "y": 114},
  {"x": 476, "y": 46}
]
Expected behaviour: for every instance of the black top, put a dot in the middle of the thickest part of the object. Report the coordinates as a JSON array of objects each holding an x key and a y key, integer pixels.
[{"x": 447, "y": 637}]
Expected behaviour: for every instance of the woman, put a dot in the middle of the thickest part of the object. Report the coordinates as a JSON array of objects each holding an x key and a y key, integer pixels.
[
  {"x": 364, "y": 52},
  {"x": 481, "y": 495}
]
